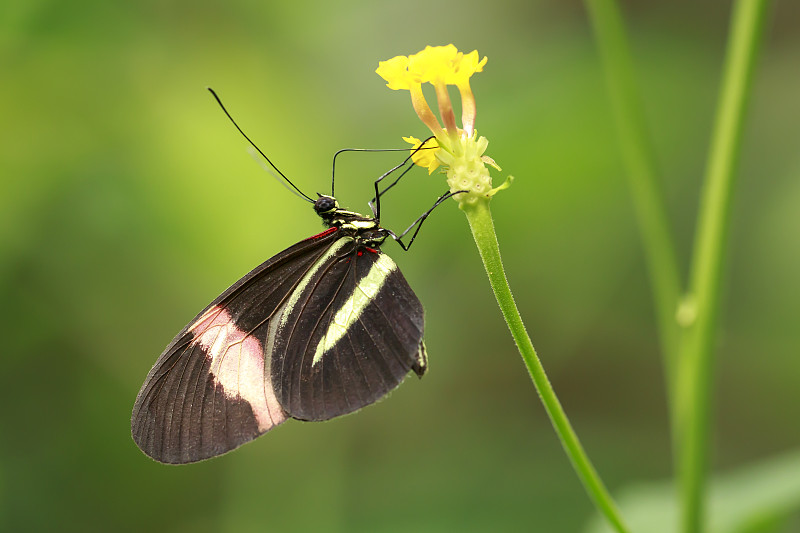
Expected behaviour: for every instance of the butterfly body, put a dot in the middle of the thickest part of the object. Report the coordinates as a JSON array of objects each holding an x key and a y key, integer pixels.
[{"x": 320, "y": 330}]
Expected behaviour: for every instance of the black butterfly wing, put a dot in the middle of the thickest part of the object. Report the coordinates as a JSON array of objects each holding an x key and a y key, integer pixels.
[
  {"x": 210, "y": 391},
  {"x": 351, "y": 334}
]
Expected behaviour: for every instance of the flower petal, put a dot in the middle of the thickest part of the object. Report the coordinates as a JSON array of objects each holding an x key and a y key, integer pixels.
[
  {"x": 426, "y": 156},
  {"x": 395, "y": 72},
  {"x": 435, "y": 64},
  {"x": 466, "y": 67}
]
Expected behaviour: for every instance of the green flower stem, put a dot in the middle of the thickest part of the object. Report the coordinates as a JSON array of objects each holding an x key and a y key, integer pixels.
[
  {"x": 480, "y": 221},
  {"x": 642, "y": 173},
  {"x": 701, "y": 305}
]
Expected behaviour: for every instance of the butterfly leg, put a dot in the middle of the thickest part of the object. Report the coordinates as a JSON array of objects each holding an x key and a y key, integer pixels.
[
  {"x": 419, "y": 221},
  {"x": 375, "y": 203}
]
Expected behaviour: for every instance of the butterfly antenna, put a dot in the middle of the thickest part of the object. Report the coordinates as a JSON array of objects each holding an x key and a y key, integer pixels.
[
  {"x": 271, "y": 164},
  {"x": 333, "y": 166},
  {"x": 272, "y": 173}
]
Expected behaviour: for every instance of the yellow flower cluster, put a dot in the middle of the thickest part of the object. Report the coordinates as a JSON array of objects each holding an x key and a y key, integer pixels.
[
  {"x": 460, "y": 150},
  {"x": 436, "y": 65}
]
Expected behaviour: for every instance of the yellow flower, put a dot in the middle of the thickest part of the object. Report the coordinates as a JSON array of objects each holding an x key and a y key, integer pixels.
[
  {"x": 425, "y": 156},
  {"x": 440, "y": 66},
  {"x": 467, "y": 66},
  {"x": 435, "y": 64},
  {"x": 395, "y": 71},
  {"x": 460, "y": 150}
]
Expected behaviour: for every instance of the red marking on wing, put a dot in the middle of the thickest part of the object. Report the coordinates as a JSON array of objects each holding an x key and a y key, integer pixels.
[
  {"x": 323, "y": 234},
  {"x": 373, "y": 250}
]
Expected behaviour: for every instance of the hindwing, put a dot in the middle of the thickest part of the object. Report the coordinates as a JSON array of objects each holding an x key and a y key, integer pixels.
[{"x": 352, "y": 335}]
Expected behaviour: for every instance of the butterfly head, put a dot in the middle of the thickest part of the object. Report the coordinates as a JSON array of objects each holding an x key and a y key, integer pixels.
[{"x": 326, "y": 206}]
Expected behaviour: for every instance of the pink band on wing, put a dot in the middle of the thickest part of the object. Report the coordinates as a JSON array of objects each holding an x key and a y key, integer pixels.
[{"x": 237, "y": 364}]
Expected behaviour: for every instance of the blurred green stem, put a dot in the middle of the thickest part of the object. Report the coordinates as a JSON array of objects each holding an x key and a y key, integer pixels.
[
  {"x": 643, "y": 178},
  {"x": 688, "y": 352},
  {"x": 701, "y": 305},
  {"x": 480, "y": 221}
]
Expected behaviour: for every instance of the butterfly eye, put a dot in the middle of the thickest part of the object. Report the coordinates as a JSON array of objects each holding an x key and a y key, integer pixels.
[{"x": 324, "y": 204}]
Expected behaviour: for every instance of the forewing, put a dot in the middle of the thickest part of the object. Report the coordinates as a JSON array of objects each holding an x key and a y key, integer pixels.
[
  {"x": 210, "y": 391},
  {"x": 352, "y": 336}
]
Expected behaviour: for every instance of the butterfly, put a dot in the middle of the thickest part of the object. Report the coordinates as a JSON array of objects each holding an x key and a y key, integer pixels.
[{"x": 320, "y": 330}]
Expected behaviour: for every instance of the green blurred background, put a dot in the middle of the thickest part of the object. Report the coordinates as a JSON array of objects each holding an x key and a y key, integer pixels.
[{"x": 128, "y": 202}]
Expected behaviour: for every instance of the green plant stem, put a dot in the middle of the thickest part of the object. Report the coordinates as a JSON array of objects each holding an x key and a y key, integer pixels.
[
  {"x": 480, "y": 221},
  {"x": 694, "y": 377},
  {"x": 642, "y": 173}
]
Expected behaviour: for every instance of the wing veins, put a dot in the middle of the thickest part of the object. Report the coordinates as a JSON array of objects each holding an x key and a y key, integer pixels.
[{"x": 302, "y": 308}]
